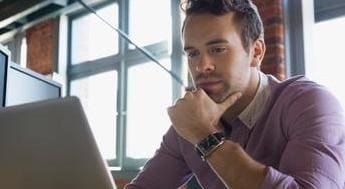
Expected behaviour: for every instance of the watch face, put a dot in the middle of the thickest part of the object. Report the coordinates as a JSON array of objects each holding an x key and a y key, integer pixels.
[{"x": 208, "y": 143}]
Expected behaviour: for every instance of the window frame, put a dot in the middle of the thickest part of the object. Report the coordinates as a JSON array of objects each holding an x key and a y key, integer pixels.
[
  {"x": 326, "y": 10},
  {"x": 299, "y": 16}
]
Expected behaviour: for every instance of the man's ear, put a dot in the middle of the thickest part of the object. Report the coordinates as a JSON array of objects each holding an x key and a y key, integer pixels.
[{"x": 258, "y": 52}]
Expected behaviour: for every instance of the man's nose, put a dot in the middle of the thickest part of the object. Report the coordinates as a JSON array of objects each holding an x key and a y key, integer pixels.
[{"x": 205, "y": 65}]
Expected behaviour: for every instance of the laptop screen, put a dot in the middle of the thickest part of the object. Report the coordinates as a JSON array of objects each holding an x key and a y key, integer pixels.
[{"x": 49, "y": 145}]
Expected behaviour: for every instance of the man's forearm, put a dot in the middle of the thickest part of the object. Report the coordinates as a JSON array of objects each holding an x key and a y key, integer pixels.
[{"x": 236, "y": 168}]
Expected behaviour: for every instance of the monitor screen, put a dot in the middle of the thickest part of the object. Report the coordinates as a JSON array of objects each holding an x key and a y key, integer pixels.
[
  {"x": 24, "y": 86},
  {"x": 4, "y": 56}
]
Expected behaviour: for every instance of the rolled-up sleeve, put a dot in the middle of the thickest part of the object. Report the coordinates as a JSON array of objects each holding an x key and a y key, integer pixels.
[
  {"x": 167, "y": 169},
  {"x": 314, "y": 155}
]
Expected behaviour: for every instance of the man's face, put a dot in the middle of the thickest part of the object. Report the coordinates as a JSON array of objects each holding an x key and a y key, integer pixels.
[{"x": 216, "y": 57}]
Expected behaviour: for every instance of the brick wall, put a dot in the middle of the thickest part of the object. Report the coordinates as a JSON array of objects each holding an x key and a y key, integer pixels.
[
  {"x": 271, "y": 12},
  {"x": 42, "y": 46}
]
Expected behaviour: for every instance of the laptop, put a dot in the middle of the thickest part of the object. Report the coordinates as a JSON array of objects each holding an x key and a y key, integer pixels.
[{"x": 49, "y": 145}]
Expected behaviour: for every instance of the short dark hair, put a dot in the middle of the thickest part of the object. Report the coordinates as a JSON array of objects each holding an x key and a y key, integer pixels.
[{"x": 246, "y": 16}]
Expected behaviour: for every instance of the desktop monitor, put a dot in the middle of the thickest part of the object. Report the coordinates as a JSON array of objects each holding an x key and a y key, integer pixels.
[
  {"x": 4, "y": 59},
  {"x": 20, "y": 85},
  {"x": 24, "y": 86}
]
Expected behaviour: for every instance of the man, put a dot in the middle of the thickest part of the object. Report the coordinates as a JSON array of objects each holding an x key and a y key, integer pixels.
[{"x": 240, "y": 128}]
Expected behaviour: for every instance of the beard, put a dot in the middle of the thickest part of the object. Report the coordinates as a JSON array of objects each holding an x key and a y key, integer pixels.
[
  {"x": 221, "y": 95},
  {"x": 217, "y": 93}
]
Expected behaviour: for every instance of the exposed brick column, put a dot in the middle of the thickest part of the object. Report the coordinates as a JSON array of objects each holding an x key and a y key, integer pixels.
[
  {"x": 271, "y": 12},
  {"x": 42, "y": 46}
]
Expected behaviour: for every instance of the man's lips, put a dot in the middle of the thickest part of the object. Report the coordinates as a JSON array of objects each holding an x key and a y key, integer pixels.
[{"x": 209, "y": 85}]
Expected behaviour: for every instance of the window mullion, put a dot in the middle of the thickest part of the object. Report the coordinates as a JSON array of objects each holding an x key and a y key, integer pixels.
[
  {"x": 176, "y": 56},
  {"x": 122, "y": 83}
]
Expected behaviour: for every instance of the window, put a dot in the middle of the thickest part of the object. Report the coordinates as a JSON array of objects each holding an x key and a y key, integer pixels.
[
  {"x": 18, "y": 47},
  {"x": 148, "y": 97},
  {"x": 23, "y": 53},
  {"x": 313, "y": 37},
  {"x": 146, "y": 23},
  {"x": 98, "y": 96},
  {"x": 91, "y": 38},
  {"x": 125, "y": 96},
  {"x": 328, "y": 56}
]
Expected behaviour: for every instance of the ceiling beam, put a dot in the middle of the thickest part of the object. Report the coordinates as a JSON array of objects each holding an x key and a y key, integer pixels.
[
  {"x": 72, "y": 7},
  {"x": 62, "y": 3},
  {"x": 19, "y": 9}
]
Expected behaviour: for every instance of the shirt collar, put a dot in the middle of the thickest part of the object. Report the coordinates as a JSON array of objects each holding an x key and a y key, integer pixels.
[{"x": 252, "y": 112}]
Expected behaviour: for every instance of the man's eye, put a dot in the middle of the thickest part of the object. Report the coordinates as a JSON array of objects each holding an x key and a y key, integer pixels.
[
  {"x": 218, "y": 49},
  {"x": 192, "y": 54}
]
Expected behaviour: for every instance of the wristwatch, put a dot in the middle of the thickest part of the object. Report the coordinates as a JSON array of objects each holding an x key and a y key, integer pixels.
[{"x": 209, "y": 144}]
